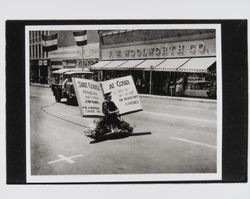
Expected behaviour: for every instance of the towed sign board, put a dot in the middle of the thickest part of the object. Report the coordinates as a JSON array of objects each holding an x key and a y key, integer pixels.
[
  {"x": 124, "y": 94},
  {"x": 90, "y": 95}
]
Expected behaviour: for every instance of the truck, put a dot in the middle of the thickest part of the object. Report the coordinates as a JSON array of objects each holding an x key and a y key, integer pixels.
[{"x": 62, "y": 85}]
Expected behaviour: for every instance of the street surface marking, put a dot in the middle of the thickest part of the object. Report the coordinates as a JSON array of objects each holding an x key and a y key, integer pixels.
[
  {"x": 193, "y": 142},
  {"x": 64, "y": 158},
  {"x": 180, "y": 117}
]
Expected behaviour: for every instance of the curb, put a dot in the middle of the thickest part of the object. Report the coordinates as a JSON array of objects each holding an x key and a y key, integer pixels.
[
  {"x": 39, "y": 85},
  {"x": 155, "y": 96},
  {"x": 179, "y": 98}
]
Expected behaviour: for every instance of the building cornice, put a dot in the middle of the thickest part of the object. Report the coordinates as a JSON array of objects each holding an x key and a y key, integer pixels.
[{"x": 166, "y": 40}]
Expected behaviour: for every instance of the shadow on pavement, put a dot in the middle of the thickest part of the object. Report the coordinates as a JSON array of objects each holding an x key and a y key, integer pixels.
[
  {"x": 139, "y": 134},
  {"x": 69, "y": 104},
  {"x": 116, "y": 136}
]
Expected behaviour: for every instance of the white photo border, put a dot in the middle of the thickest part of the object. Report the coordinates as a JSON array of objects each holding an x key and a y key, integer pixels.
[{"x": 118, "y": 177}]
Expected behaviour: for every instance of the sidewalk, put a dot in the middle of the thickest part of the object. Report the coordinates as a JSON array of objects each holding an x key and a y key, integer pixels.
[
  {"x": 203, "y": 100},
  {"x": 39, "y": 85}
]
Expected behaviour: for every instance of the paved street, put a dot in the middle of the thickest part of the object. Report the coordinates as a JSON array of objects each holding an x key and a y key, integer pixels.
[{"x": 170, "y": 136}]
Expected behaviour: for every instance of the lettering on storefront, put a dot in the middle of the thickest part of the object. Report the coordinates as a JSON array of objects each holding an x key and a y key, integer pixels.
[
  {"x": 162, "y": 50},
  {"x": 200, "y": 48}
]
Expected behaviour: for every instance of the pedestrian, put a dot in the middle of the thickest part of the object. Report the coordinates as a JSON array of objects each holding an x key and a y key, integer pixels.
[
  {"x": 172, "y": 88},
  {"x": 138, "y": 84},
  {"x": 179, "y": 86},
  {"x": 41, "y": 80},
  {"x": 166, "y": 87}
]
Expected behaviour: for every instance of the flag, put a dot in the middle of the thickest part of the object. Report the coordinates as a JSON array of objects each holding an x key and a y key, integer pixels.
[
  {"x": 49, "y": 42},
  {"x": 81, "y": 38}
]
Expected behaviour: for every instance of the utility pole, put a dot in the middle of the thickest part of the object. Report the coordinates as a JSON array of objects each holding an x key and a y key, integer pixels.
[
  {"x": 150, "y": 80},
  {"x": 82, "y": 57}
]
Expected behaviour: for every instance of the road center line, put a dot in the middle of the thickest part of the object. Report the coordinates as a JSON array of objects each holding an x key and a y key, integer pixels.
[
  {"x": 193, "y": 142},
  {"x": 179, "y": 117},
  {"x": 64, "y": 158}
]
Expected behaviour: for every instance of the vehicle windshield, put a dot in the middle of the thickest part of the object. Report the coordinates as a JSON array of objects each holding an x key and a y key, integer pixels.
[
  {"x": 83, "y": 75},
  {"x": 55, "y": 78}
]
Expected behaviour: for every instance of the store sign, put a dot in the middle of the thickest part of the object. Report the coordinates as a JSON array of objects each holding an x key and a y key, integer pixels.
[
  {"x": 89, "y": 96},
  {"x": 162, "y": 50}
]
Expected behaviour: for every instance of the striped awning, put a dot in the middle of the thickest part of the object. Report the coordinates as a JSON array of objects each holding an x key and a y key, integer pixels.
[
  {"x": 146, "y": 65},
  {"x": 171, "y": 64},
  {"x": 99, "y": 65},
  {"x": 197, "y": 65},
  {"x": 130, "y": 64},
  {"x": 113, "y": 65}
]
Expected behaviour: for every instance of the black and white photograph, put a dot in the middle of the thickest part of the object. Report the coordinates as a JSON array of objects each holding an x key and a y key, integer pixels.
[
  {"x": 123, "y": 103},
  {"x": 124, "y": 99}
]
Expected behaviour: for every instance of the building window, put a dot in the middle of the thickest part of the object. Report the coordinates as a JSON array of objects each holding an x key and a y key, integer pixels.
[
  {"x": 30, "y": 38},
  {"x": 41, "y": 48},
  {"x": 30, "y": 52},
  {"x": 34, "y": 36},
  {"x": 37, "y": 52},
  {"x": 39, "y": 36},
  {"x": 33, "y": 52}
]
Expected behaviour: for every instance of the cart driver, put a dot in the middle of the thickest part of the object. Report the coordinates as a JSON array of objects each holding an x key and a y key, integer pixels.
[{"x": 111, "y": 112}]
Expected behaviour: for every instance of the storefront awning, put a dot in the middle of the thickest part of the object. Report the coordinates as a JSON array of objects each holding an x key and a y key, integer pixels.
[
  {"x": 130, "y": 64},
  {"x": 113, "y": 65},
  {"x": 146, "y": 65},
  {"x": 99, "y": 65},
  {"x": 171, "y": 64},
  {"x": 197, "y": 65}
]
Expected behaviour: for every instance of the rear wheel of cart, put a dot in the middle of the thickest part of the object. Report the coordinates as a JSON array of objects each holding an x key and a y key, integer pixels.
[
  {"x": 74, "y": 101},
  {"x": 69, "y": 100}
]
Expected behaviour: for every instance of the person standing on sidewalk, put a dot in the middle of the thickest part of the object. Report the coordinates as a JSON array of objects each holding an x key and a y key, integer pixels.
[{"x": 172, "y": 88}]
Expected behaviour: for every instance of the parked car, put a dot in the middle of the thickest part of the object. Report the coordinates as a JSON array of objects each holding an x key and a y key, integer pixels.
[{"x": 62, "y": 85}]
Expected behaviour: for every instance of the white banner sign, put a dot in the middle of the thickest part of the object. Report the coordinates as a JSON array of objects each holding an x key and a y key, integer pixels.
[
  {"x": 124, "y": 94},
  {"x": 89, "y": 96}
]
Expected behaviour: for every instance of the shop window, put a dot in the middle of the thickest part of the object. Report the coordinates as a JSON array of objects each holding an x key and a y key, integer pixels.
[
  {"x": 30, "y": 52},
  {"x": 34, "y": 52},
  {"x": 197, "y": 82},
  {"x": 37, "y": 52}
]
